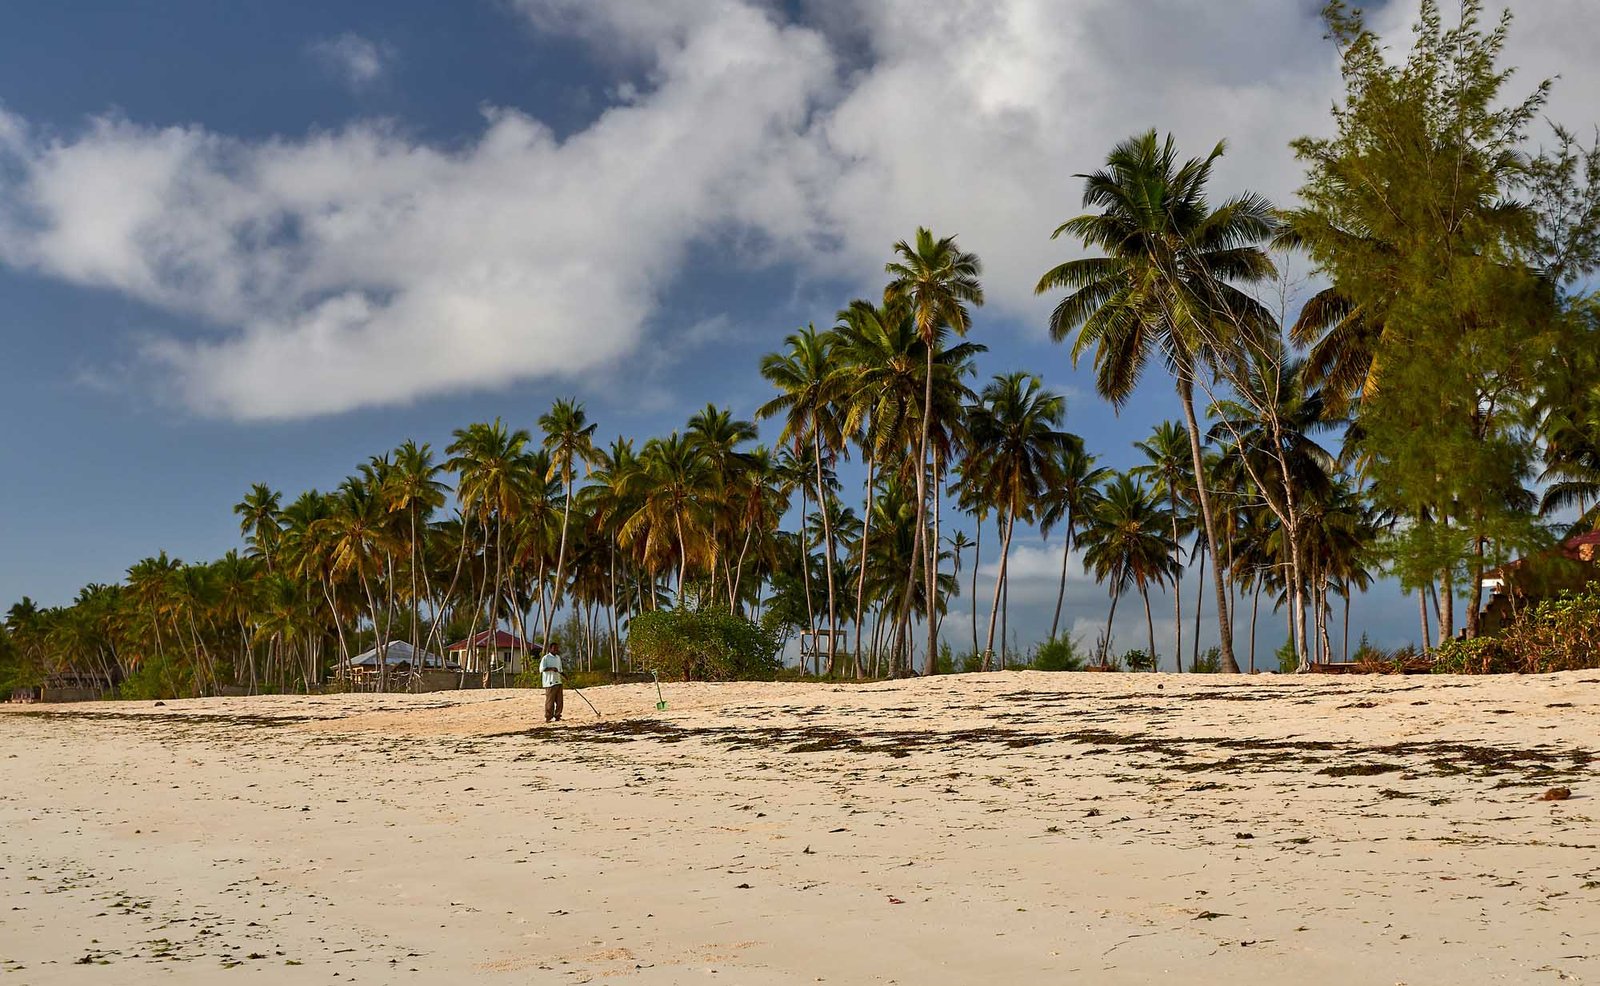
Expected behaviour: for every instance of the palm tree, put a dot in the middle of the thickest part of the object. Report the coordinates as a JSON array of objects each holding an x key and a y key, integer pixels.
[
  {"x": 809, "y": 391},
  {"x": 1068, "y": 503},
  {"x": 1126, "y": 543},
  {"x": 259, "y": 520},
  {"x": 414, "y": 489},
  {"x": 1169, "y": 469},
  {"x": 493, "y": 467},
  {"x": 1016, "y": 443},
  {"x": 936, "y": 281},
  {"x": 672, "y": 519},
  {"x": 1163, "y": 283},
  {"x": 569, "y": 439}
]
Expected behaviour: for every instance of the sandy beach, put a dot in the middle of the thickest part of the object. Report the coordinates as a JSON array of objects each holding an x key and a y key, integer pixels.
[{"x": 1014, "y": 827}]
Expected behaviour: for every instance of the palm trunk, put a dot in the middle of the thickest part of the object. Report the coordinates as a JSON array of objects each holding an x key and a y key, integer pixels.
[
  {"x": 922, "y": 482},
  {"x": 1199, "y": 605},
  {"x": 861, "y": 574},
  {"x": 977, "y": 559},
  {"x": 1255, "y": 609},
  {"x": 827, "y": 544},
  {"x": 931, "y": 566},
  {"x": 1150, "y": 627},
  {"x": 1224, "y": 618},
  {"x": 999, "y": 586},
  {"x": 1105, "y": 645},
  {"x": 1061, "y": 593},
  {"x": 561, "y": 561},
  {"x": 1177, "y": 589}
]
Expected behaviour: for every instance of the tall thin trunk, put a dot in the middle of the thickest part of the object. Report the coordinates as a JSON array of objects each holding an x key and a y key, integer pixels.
[
  {"x": 1255, "y": 609},
  {"x": 561, "y": 558},
  {"x": 977, "y": 559},
  {"x": 931, "y": 566},
  {"x": 1344, "y": 635},
  {"x": 1447, "y": 608},
  {"x": 1177, "y": 584},
  {"x": 1149, "y": 626},
  {"x": 1199, "y": 605},
  {"x": 1061, "y": 592},
  {"x": 805, "y": 573},
  {"x": 922, "y": 481},
  {"x": 827, "y": 544},
  {"x": 1105, "y": 645},
  {"x": 1224, "y": 619},
  {"x": 999, "y": 586},
  {"x": 861, "y": 575},
  {"x": 1422, "y": 610}
]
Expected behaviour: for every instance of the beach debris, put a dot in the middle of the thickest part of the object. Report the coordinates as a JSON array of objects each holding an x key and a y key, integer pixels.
[
  {"x": 1556, "y": 794},
  {"x": 895, "y": 900}
]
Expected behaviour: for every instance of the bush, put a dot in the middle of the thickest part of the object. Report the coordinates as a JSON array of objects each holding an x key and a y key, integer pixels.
[
  {"x": 1288, "y": 660},
  {"x": 1209, "y": 662},
  {"x": 1138, "y": 660},
  {"x": 706, "y": 646},
  {"x": 1561, "y": 634},
  {"x": 1057, "y": 654}
]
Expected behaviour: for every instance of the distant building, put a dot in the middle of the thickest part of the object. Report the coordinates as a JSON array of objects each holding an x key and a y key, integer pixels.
[
  {"x": 1513, "y": 588},
  {"x": 400, "y": 656},
  {"x": 494, "y": 650}
]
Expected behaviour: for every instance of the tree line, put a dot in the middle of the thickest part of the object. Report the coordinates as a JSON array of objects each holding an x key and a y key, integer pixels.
[{"x": 1431, "y": 411}]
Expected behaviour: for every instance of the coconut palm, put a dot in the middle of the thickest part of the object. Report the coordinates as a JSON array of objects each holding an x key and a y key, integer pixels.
[
  {"x": 808, "y": 400},
  {"x": 1169, "y": 470},
  {"x": 1163, "y": 283},
  {"x": 493, "y": 468},
  {"x": 1016, "y": 443},
  {"x": 935, "y": 280},
  {"x": 259, "y": 520},
  {"x": 569, "y": 440},
  {"x": 673, "y": 519},
  {"x": 1067, "y": 504},
  {"x": 1126, "y": 543}
]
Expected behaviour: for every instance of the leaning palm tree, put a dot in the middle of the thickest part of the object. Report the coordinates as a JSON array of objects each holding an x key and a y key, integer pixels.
[
  {"x": 935, "y": 280},
  {"x": 1067, "y": 504},
  {"x": 414, "y": 489},
  {"x": 259, "y": 514},
  {"x": 569, "y": 439},
  {"x": 1168, "y": 455},
  {"x": 1016, "y": 442},
  {"x": 810, "y": 389},
  {"x": 493, "y": 468},
  {"x": 1126, "y": 543},
  {"x": 1163, "y": 283}
]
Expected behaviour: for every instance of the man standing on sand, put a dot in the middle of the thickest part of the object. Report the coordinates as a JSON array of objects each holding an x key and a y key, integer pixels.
[{"x": 550, "y": 675}]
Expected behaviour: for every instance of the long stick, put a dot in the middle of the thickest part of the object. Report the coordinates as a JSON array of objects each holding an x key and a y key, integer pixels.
[{"x": 579, "y": 692}]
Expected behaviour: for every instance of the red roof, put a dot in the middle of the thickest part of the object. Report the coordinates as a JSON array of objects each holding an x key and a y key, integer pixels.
[{"x": 502, "y": 641}]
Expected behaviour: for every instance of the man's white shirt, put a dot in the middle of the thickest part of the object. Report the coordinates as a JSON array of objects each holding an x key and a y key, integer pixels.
[{"x": 550, "y": 670}]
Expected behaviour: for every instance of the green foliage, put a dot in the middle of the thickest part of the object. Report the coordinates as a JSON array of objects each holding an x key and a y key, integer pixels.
[
  {"x": 159, "y": 676},
  {"x": 1440, "y": 315},
  {"x": 1058, "y": 654},
  {"x": 1138, "y": 660},
  {"x": 1288, "y": 660},
  {"x": 1210, "y": 662},
  {"x": 1561, "y": 634},
  {"x": 709, "y": 645}
]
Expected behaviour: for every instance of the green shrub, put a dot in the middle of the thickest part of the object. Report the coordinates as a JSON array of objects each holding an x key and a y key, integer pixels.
[
  {"x": 709, "y": 645},
  {"x": 1561, "y": 634},
  {"x": 1138, "y": 660},
  {"x": 1210, "y": 662},
  {"x": 1058, "y": 654},
  {"x": 1288, "y": 660}
]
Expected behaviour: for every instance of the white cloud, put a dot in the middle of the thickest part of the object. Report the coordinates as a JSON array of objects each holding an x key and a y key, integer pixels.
[
  {"x": 357, "y": 61},
  {"x": 361, "y": 266}
]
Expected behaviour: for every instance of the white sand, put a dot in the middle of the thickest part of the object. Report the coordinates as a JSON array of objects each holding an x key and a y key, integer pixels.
[{"x": 810, "y": 833}]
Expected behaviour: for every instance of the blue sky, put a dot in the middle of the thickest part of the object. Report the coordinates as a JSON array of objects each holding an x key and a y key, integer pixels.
[{"x": 260, "y": 241}]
